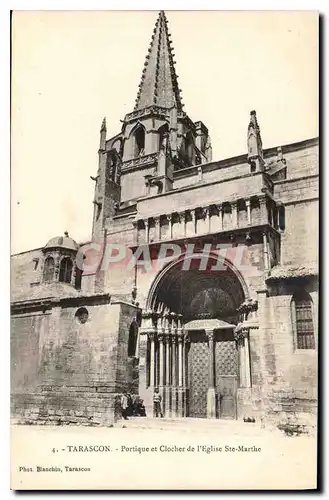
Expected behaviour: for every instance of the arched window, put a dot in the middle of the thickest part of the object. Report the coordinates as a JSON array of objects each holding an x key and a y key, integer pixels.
[
  {"x": 189, "y": 146},
  {"x": 139, "y": 138},
  {"x": 302, "y": 318},
  {"x": 132, "y": 340},
  {"x": 162, "y": 131},
  {"x": 65, "y": 270},
  {"x": 281, "y": 218},
  {"x": 48, "y": 270}
]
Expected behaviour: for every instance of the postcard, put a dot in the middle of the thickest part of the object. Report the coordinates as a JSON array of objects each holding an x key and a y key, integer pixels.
[{"x": 164, "y": 267}]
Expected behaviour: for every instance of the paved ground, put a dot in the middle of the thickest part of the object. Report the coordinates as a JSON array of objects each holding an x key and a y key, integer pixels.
[{"x": 160, "y": 454}]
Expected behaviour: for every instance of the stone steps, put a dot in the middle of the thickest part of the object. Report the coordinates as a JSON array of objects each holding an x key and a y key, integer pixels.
[{"x": 190, "y": 424}]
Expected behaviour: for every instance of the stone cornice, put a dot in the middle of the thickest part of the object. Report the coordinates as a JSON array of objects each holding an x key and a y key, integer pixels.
[
  {"x": 281, "y": 273},
  {"x": 50, "y": 302}
]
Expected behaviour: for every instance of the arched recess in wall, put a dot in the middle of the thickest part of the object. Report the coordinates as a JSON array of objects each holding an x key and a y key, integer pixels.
[
  {"x": 138, "y": 138},
  {"x": 118, "y": 146},
  {"x": 190, "y": 290},
  {"x": 164, "y": 129},
  {"x": 132, "y": 340},
  {"x": 189, "y": 147},
  {"x": 48, "y": 269},
  {"x": 281, "y": 218},
  {"x": 65, "y": 270},
  {"x": 302, "y": 320}
]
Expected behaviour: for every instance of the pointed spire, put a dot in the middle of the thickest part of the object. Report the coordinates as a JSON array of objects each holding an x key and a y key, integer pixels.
[
  {"x": 102, "y": 139},
  {"x": 103, "y": 127},
  {"x": 255, "y": 146},
  {"x": 159, "y": 84}
]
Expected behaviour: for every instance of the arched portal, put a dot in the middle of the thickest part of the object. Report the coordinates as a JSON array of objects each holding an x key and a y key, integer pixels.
[
  {"x": 192, "y": 353},
  {"x": 195, "y": 288}
]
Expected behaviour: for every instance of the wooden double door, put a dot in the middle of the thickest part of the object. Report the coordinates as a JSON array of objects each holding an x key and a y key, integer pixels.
[{"x": 225, "y": 366}]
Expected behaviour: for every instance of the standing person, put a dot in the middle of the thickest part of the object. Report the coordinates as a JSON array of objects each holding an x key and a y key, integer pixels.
[
  {"x": 124, "y": 405},
  {"x": 157, "y": 403}
]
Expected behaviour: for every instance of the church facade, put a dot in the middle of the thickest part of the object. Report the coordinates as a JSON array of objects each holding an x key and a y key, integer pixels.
[{"x": 200, "y": 277}]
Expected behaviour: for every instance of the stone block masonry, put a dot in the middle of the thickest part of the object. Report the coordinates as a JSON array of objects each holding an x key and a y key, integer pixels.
[{"x": 72, "y": 373}]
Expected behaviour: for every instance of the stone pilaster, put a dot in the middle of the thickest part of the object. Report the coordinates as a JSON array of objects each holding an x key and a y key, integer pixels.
[
  {"x": 234, "y": 206},
  {"x": 147, "y": 230},
  {"x": 248, "y": 211},
  {"x": 152, "y": 359},
  {"x": 241, "y": 336},
  {"x": 157, "y": 228},
  {"x": 266, "y": 253},
  {"x": 211, "y": 393},
  {"x": 168, "y": 391}
]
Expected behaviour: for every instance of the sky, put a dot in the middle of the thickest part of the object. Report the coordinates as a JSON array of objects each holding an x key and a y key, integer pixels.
[{"x": 70, "y": 69}]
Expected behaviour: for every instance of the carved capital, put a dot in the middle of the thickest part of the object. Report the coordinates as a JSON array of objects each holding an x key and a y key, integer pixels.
[
  {"x": 210, "y": 335},
  {"x": 180, "y": 339},
  {"x": 204, "y": 212},
  {"x": 152, "y": 336},
  {"x": 162, "y": 337},
  {"x": 240, "y": 333}
]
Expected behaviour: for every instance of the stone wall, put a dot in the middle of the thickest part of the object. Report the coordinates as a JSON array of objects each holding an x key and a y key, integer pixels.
[
  {"x": 66, "y": 372},
  {"x": 24, "y": 271},
  {"x": 284, "y": 378}
]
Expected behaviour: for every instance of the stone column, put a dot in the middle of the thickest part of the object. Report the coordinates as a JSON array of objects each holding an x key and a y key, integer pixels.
[
  {"x": 185, "y": 373},
  {"x": 242, "y": 340},
  {"x": 220, "y": 215},
  {"x": 57, "y": 259},
  {"x": 152, "y": 359},
  {"x": 247, "y": 358},
  {"x": 174, "y": 379},
  {"x": 211, "y": 394},
  {"x": 157, "y": 228},
  {"x": 242, "y": 369},
  {"x": 180, "y": 360},
  {"x": 180, "y": 391},
  {"x": 169, "y": 218},
  {"x": 184, "y": 218},
  {"x": 193, "y": 221},
  {"x": 248, "y": 211},
  {"x": 266, "y": 256},
  {"x": 168, "y": 396},
  {"x": 147, "y": 230},
  {"x": 161, "y": 360},
  {"x": 234, "y": 206}
]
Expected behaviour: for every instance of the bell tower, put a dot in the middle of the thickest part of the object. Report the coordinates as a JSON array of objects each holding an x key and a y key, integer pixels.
[
  {"x": 158, "y": 131},
  {"x": 107, "y": 184},
  {"x": 156, "y": 138}
]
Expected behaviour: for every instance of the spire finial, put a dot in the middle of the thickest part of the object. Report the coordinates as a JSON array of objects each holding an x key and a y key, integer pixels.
[
  {"x": 66, "y": 233},
  {"x": 255, "y": 147},
  {"x": 103, "y": 127}
]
